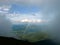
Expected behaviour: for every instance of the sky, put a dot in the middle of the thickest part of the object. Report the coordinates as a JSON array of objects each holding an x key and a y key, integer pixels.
[
  {"x": 18, "y": 8},
  {"x": 24, "y": 9},
  {"x": 42, "y": 9}
]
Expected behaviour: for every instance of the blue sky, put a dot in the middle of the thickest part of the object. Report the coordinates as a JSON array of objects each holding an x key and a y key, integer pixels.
[
  {"x": 24, "y": 9},
  {"x": 19, "y": 8}
]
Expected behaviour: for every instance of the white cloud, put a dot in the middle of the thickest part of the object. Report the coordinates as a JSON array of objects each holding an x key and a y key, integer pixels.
[
  {"x": 1, "y": 11},
  {"x": 15, "y": 18},
  {"x": 4, "y": 8}
]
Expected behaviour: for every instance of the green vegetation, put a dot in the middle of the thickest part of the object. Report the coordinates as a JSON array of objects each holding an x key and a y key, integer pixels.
[{"x": 32, "y": 36}]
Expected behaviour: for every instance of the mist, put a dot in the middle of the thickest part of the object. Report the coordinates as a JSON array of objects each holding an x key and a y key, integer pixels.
[
  {"x": 5, "y": 26},
  {"x": 50, "y": 11},
  {"x": 52, "y": 8}
]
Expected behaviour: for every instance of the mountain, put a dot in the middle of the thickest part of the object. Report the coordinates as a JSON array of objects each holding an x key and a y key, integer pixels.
[{"x": 13, "y": 41}]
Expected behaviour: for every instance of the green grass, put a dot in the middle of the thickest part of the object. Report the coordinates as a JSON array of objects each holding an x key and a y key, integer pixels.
[{"x": 33, "y": 36}]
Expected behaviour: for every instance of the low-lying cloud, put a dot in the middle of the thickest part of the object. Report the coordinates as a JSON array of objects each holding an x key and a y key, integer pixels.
[{"x": 50, "y": 8}]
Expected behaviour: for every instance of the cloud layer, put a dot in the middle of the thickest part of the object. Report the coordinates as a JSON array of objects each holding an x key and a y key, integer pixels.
[{"x": 50, "y": 8}]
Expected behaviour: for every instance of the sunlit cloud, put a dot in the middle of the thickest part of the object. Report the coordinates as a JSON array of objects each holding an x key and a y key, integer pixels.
[
  {"x": 22, "y": 18},
  {"x": 31, "y": 20}
]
